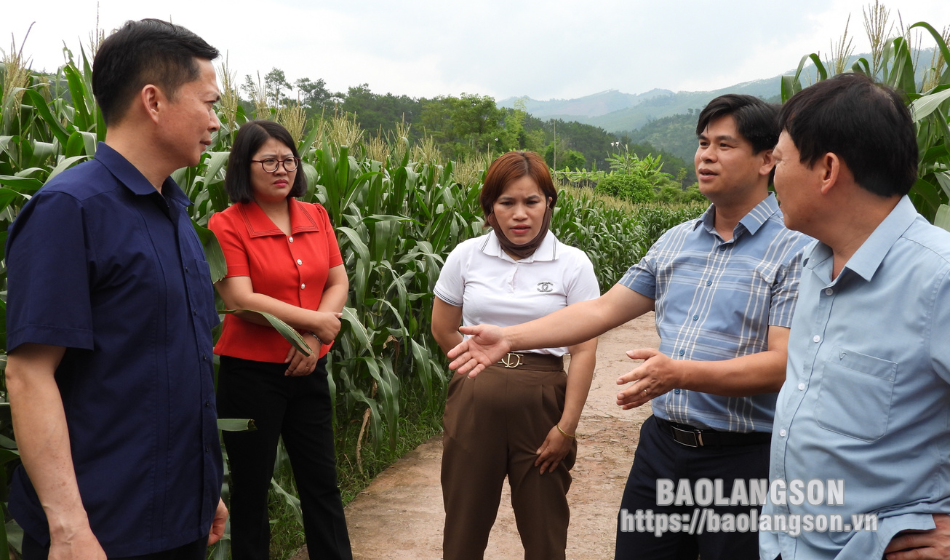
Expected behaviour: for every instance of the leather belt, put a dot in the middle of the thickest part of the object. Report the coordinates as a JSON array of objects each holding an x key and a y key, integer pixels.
[
  {"x": 689, "y": 436},
  {"x": 513, "y": 360}
]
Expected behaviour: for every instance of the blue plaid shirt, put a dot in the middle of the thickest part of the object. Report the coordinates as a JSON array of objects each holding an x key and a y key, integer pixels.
[{"x": 715, "y": 300}]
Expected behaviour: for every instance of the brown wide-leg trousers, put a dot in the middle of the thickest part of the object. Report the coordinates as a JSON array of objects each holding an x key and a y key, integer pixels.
[{"x": 494, "y": 425}]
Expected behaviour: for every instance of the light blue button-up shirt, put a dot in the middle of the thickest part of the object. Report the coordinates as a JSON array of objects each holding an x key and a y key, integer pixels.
[
  {"x": 867, "y": 395},
  {"x": 715, "y": 300}
]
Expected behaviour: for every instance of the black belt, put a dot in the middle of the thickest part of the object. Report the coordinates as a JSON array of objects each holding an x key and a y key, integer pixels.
[{"x": 689, "y": 436}]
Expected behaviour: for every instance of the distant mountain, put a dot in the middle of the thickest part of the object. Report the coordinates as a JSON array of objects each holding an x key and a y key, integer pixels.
[
  {"x": 589, "y": 106},
  {"x": 615, "y": 111}
]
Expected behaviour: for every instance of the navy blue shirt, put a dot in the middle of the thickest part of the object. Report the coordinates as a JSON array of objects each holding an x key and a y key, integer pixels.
[{"x": 103, "y": 264}]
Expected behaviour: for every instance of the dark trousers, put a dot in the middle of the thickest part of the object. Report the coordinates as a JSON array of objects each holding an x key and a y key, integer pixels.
[
  {"x": 32, "y": 550},
  {"x": 297, "y": 408},
  {"x": 494, "y": 425},
  {"x": 658, "y": 456}
]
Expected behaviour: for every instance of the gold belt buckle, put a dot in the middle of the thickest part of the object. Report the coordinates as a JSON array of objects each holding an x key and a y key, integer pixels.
[{"x": 510, "y": 360}]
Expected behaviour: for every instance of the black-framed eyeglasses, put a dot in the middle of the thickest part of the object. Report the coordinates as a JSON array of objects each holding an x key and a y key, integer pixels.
[{"x": 270, "y": 165}]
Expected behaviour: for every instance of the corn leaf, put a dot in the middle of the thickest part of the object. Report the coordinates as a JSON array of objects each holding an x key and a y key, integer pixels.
[
  {"x": 236, "y": 425},
  {"x": 213, "y": 253},
  {"x": 927, "y": 104},
  {"x": 289, "y": 333}
]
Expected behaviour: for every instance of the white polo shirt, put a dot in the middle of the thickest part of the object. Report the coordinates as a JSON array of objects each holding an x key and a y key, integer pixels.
[{"x": 492, "y": 288}]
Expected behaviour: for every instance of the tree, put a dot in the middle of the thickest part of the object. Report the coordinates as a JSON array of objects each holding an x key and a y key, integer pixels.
[
  {"x": 314, "y": 95},
  {"x": 571, "y": 159},
  {"x": 377, "y": 112},
  {"x": 464, "y": 124},
  {"x": 276, "y": 83},
  {"x": 632, "y": 188}
]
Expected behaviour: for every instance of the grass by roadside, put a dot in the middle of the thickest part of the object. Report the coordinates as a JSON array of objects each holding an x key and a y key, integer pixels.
[{"x": 417, "y": 425}]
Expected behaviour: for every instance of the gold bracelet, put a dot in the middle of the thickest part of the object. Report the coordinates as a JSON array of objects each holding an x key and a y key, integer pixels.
[{"x": 563, "y": 433}]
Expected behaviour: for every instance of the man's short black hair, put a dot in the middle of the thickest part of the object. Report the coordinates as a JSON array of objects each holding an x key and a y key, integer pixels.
[
  {"x": 756, "y": 120},
  {"x": 865, "y": 124},
  {"x": 251, "y": 136},
  {"x": 145, "y": 52}
]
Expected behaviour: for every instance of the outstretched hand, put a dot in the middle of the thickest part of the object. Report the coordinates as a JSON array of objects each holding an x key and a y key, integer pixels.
[
  {"x": 656, "y": 376},
  {"x": 486, "y": 346}
]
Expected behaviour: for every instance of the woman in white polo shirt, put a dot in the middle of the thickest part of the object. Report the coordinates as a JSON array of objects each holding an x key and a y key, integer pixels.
[{"x": 517, "y": 418}]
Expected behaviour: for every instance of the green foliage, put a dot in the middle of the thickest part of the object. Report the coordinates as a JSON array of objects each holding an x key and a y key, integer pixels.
[
  {"x": 929, "y": 104},
  {"x": 674, "y": 135},
  {"x": 673, "y": 194},
  {"x": 465, "y": 124},
  {"x": 632, "y": 188},
  {"x": 375, "y": 112},
  {"x": 397, "y": 217},
  {"x": 566, "y": 159},
  {"x": 314, "y": 95},
  {"x": 592, "y": 142}
]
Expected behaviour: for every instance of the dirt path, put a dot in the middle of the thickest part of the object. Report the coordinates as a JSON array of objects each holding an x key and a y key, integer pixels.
[{"x": 400, "y": 516}]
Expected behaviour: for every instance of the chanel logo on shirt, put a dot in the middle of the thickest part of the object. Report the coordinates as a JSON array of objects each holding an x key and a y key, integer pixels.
[{"x": 545, "y": 287}]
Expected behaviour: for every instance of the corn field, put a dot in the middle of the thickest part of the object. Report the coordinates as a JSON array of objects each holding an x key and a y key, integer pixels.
[
  {"x": 893, "y": 63},
  {"x": 398, "y": 210}
]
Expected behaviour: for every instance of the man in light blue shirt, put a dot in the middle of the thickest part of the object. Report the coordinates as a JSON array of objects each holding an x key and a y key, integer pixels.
[
  {"x": 861, "y": 445},
  {"x": 723, "y": 287}
]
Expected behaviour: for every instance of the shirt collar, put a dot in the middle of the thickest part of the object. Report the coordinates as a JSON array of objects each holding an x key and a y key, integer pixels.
[
  {"x": 869, "y": 256},
  {"x": 547, "y": 251},
  {"x": 259, "y": 225},
  {"x": 752, "y": 221},
  {"x": 132, "y": 179}
]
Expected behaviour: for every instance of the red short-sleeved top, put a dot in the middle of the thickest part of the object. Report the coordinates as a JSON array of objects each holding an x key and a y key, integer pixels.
[{"x": 292, "y": 268}]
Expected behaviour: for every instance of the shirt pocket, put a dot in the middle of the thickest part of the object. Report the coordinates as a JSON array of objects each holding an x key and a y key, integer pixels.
[
  {"x": 202, "y": 292},
  {"x": 855, "y": 394}
]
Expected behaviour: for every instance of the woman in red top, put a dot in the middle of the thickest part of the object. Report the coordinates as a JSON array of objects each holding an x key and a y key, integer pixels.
[{"x": 283, "y": 259}]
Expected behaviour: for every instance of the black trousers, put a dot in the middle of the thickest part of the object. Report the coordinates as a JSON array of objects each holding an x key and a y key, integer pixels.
[
  {"x": 658, "y": 456},
  {"x": 297, "y": 408},
  {"x": 32, "y": 550}
]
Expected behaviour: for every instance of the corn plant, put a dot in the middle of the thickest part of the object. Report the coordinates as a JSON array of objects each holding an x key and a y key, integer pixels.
[
  {"x": 396, "y": 221},
  {"x": 892, "y": 64}
]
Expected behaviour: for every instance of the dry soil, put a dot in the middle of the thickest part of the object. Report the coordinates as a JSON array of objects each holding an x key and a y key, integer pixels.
[{"x": 400, "y": 516}]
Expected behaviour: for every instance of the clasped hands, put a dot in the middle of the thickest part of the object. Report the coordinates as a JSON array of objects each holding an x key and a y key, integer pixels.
[{"x": 326, "y": 328}]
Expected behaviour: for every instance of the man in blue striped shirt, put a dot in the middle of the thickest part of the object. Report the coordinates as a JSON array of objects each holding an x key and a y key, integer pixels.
[{"x": 724, "y": 288}]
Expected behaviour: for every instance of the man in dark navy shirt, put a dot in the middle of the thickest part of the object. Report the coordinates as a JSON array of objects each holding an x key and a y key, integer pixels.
[{"x": 109, "y": 315}]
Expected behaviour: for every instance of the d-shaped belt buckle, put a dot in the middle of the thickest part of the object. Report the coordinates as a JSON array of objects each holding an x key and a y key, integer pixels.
[
  {"x": 687, "y": 438},
  {"x": 510, "y": 360}
]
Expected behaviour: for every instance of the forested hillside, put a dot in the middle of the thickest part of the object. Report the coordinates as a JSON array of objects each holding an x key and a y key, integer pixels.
[{"x": 464, "y": 127}]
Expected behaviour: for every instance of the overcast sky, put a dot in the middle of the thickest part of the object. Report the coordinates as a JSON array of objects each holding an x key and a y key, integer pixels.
[{"x": 502, "y": 48}]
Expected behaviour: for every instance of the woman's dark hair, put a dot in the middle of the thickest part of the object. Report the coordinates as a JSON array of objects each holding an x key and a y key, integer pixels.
[
  {"x": 865, "y": 124},
  {"x": 756, "y": 120},
  {"x": 145, "y": 52},
  {"x": 511, "y": 167},
  {"x": 251, "y": 136}
]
